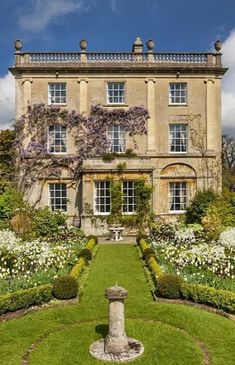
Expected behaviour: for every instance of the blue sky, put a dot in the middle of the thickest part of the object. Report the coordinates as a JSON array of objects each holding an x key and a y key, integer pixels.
[{"x": 112, "y": 25}]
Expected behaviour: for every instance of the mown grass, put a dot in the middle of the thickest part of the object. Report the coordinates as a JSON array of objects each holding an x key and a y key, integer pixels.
[{"x": 67, "y": 332}]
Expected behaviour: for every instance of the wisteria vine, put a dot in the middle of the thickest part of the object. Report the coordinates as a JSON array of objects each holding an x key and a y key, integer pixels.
[{"x": 89, "y": 133}]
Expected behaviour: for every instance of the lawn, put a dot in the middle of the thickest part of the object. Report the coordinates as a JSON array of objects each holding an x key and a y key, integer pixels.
[{"x": 172, "y": 334}]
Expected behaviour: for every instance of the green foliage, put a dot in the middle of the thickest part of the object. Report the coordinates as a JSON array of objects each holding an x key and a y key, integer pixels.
[
  {"x": 154, "y": 267},
  {"x": 121, "y": 166},
  {"x": 199, "y": 205},
  {"x": 11, "y": 201},
  {"x": 46, "y": 222},
  {"x": 143, "y": 244},
  {"x": 147, "y": 252},
  {"x": 25, "y": 298},
  {"x": 168, "y": 286},
  {"x": 91, "y": 241},
  {"x": 65, "y": 287},
  {"x": 143, "y": 194},
  {"x": 78, "y": 268},
  {"x": 117, "y": 199},
  {"x": 221, "y": 299},
  {"x": 7, "y": 154},
  {"x": 140, "y": 237},
  {"x": 85, "y": 252}
]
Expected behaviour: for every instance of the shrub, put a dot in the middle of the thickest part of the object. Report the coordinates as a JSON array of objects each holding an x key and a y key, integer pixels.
[
  {"x": 10, "y": 201},
  {"x": 92, "y": 237},
  {"x": 46, "y": 222},
  {"x": 25, "y": 298},
  {"x": 221, "y": 299},
  {"x": 154, "y": 267},
  {"x": 140, "y": 237},
  {"x": 168, "y": 286},
  {"x": 147, "y": 252},
  {"x": 65, "y": 287},
  {"x": 78, "y": 268},
  {"x": 143, "y": 245},
  {"x": 21, "y": 223},
  {"x": 199, "y": 205},
  {"x": 85, "y": 252}
]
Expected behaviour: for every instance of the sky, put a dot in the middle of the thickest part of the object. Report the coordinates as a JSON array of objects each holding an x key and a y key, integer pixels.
[{"x": 113, "y": 25}]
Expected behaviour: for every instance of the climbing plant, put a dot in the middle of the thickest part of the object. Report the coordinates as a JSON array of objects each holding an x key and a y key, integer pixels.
[{"x": 89, "y": 133}]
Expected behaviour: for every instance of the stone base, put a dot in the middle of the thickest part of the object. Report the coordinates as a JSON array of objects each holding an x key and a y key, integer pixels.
[{"x": 135, "y": 349}]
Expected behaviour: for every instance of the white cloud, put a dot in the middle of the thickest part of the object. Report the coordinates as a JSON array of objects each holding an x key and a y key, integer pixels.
[
  {"x": 7, "y": 100},
  {"x": 44, "y": 12},
  {"x": 228, "y": 88}
]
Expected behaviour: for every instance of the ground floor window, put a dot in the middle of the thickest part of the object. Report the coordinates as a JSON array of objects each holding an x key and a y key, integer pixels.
[
  {"x": 129, "y": 198},
  {"x": 58, "y": 196},
  {"x": 178, "y": 196},
  {"x": 102, "y": 197}
]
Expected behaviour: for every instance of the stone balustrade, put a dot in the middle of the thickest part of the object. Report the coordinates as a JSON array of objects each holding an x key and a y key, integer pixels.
[{"x": 125, "y": 58}]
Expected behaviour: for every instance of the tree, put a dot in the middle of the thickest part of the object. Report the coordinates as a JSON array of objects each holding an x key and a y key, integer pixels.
[
  {"x": 7, "y": 154},
  {"x": 228, "y": 160}
]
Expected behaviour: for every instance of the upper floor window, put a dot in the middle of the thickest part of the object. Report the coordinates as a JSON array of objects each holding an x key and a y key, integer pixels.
[
  {"x": 178, "y": 137},
  {"x": 102, "y": 197},
  {"x": 57, "y": 140},
  {"x": 178, "y": 196},
  {"x": 117, "y": 137},
  {"x": 57, "y": 93},
  {"x": 116, "y": 92},
  {"x": 129, "y": 197},
  {"x": 58, "y": 196},
  {"x": 178, "y": 93}
]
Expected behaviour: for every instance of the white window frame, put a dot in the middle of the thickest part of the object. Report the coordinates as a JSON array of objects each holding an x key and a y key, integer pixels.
[
  {"x": 178, "y": 90},
  {"x": 117, "y": 137},
  {"x": 116, "y": 90},
  {"x": 52, "y": 138},
  {"x": 129, "y": 200},
  {"x": 182, "y": 195},
  {"x": 97, "y": 204},
  {"x": 173, "y": 138},
  {"x": 63, "y": 200},
  {"x": 59, "y": 88}
]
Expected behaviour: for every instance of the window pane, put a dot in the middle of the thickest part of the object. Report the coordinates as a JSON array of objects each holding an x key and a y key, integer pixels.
[
  {"x": 57, "y": 93},
  {"x": 117, "y": 137},
  {"x": 129, "y": 198},
  {"x": 58, "y": 196},
  {"x": 102, "y": 196},
  {"x": 115, "y": 93},
  {"x": 178, "y": 196},
  {"x": 178, "y": 93},
  {"x": 57, "y": 139},
  {"x": 178, "y": 137}
]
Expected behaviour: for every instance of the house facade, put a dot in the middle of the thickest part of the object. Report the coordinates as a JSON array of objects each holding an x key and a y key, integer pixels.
[{"x": 179, "y": 154}]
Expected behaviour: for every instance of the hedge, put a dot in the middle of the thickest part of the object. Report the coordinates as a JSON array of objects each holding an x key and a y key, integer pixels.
[
  {"x": 25, "y": 298},
  {"x": 217, "y": 298},
  {"x": 143, "y": 244},
  {"x": 154, "y": 267},
  {"x": 82, "y": 262}
]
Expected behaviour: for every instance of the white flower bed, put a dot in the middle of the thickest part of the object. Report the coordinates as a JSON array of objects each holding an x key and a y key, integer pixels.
[{"x": 18, "y": 258}]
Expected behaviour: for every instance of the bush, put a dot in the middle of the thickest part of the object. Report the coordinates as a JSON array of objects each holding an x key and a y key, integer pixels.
[
  {"x": 92, "y": 241},
  {"x": 143, "y": 245},
  {"x": 85, "y": 252},
  {"x": 10, "y": 201},
  {"x": 25, "y": 298},
  {"x": 199, "y": 205},
  {"x": 168, "y": 286},
  {"x": 46, "y": 222},
  {"x": 154, "y": 267},
  {"x": 78, "y": 268},
  {"x": 147, "y": 252},
  {"x": 65, "y": 287},
  {"x": 92, "y": 237},
  {"x": 221, "y": 299},
  {"x": 140, "y": 237}
]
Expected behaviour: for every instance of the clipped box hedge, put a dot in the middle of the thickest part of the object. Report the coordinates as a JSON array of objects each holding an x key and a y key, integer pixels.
[
  {"x": 25, "y": 298},
  {"x": 203, "y": 294}
]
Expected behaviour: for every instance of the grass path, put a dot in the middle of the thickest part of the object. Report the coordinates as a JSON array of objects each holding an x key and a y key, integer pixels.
[{"x": 172, "y": 334}]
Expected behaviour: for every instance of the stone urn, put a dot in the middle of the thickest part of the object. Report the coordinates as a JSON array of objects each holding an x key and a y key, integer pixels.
[
  {"x": 218, "y": 45},
  {"x": 150, "y": 45},
  {"x": 83, "y": 45},
  {"x": 18, "y": 45}
]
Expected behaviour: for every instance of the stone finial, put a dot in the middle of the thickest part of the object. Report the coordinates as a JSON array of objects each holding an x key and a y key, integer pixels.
[
  {"x": 18, "y": 45},
  {"x": 218, "y": 45},
  {"x": 150, "y": 45},
  {"x": 116, "y": 293},
  {"x": 83, "y": 45},
  {"x": 137, "y": 46}
]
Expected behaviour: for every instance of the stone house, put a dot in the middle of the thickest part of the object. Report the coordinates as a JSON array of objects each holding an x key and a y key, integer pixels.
[{"x": 180, "y": 152}]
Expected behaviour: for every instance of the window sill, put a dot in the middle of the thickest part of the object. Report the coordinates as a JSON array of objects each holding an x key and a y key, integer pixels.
[
  {"x": 97, "y": 214},
  {"x": 183, "y": 104},
  {"x": 58, "y": 104},
  {"x": 178, "y": 153},
  {"x": 177, "y": 211},
  {"x": 57, "y": 153},
  {"x": 115, "y": 105}
]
